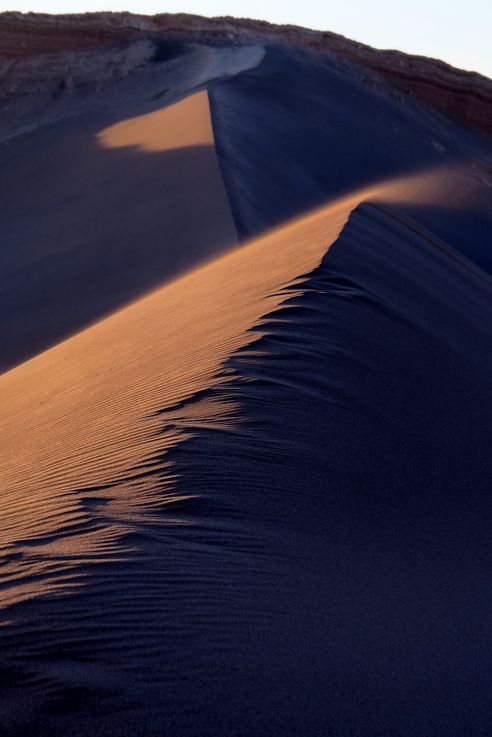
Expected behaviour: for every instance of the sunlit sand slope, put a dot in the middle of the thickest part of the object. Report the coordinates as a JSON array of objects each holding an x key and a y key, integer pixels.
[{"x": 254, "y": 501}]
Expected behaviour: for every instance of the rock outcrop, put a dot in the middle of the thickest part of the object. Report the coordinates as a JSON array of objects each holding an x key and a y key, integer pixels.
[{"x": 463, "y": 96}]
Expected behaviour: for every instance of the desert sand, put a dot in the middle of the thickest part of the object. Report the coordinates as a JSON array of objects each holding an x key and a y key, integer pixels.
[{"x": 245, "y": 468}]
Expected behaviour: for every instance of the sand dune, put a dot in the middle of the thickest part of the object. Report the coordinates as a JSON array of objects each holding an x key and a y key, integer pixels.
[{"x": 245, "y": 489}]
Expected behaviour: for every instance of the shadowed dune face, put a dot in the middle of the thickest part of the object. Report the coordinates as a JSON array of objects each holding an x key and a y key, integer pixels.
[
  {"x": 359, "y": 463},
  {"x": 95, "y": 215}
]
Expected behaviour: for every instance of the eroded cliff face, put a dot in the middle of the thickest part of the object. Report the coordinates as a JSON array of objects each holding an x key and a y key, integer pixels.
[{"x": 38, "y": 50}]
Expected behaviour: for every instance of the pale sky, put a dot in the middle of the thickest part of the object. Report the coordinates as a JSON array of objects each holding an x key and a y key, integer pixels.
[{"x": 458, "y": 31}]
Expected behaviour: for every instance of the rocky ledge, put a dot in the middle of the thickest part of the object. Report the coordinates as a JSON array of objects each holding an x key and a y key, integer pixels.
[{"x": 464, "y": 96}]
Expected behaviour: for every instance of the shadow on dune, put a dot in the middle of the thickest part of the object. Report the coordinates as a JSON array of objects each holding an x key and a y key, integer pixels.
[
  {"x": 86, "y": 229},
  {"x": 467, "y": 229}
]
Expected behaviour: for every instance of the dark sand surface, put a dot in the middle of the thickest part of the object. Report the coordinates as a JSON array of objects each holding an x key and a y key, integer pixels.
[{"x": 255, "y": 501}]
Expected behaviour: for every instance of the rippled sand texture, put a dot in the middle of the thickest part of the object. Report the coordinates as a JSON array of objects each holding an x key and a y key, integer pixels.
[{"x": 84, "y": 414}]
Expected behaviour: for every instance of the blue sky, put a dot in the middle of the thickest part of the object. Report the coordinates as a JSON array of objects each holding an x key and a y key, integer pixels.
[{"x": 454, "y": 30}]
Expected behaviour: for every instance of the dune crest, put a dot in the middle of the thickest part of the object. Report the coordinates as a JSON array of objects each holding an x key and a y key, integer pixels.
[{"x": 83, "y": 415}]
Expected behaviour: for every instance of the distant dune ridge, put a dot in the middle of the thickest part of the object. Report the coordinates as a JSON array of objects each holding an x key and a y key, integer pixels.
[
  {"x": 467, "y": 96},
  {"x": 245, "y": 464}
]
